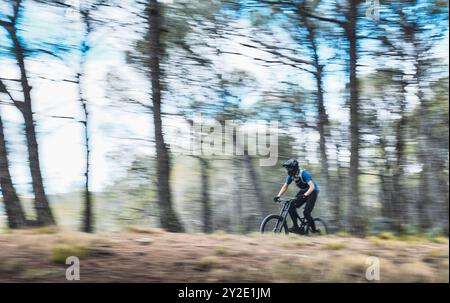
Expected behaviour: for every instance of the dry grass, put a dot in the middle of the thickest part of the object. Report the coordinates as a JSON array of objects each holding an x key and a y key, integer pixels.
[
  {"x": 221, "y": 251},
  {"x": 220, "y": 235},
  {"x": 417, "y": 272},
  {"x": 293, "y": 243},
  {"x": 343, "y": 234},
  {"x": 293, "y": 271},
  {"x": 10, "y": 266},
  {"x": 5, "y": 231},
  {"x": 417, "y": 238},
  {"x": 52, "y": 229},
  {"x": 218, "y": 257},
  {"x": 344, "y": 268},
  {"x": 438, "y": 253},
  {"x": 393, "y": 243},
  {"x": 334, "y": 245},
  {"x": 142, "y": 230},
  {"x": 210, "y": 262},
  {"x": 442, "y": 274},
  {"x": 144, "y": 241},
  {"x": 236, "y": 274},
  {"x": 387, "y": 235},
  {"x": 37, "y": 274}
]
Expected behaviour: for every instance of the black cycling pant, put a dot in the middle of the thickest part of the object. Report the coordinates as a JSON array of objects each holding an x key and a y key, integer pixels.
[{"x": 298, "y": 202}]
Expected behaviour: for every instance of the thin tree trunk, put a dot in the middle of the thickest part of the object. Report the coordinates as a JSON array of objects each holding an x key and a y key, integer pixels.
[
  {"x": 206, "y": 210},
  {"x": 168, "y": 218},
  {"x": 438, "y": 204},
  {"x": 322, "y": 114},
  {"x": 237, "y": 199},
  {"x": 14, "y": 211},
  {"x": 389, "y": 208},
  {"x": 338, "y": 198},
  {"x": 426, "y": 195},
  {"x": 87, "y": 222},
  {"x": 336, "y": 202},
  {"x": 355, "y": 218},
  {"x": 88, "y": 225},
  {"x": 399, "y": 199},
  {"x": 444, "y": 214}
]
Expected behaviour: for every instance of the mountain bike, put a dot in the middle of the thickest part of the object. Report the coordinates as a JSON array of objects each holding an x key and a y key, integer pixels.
[{"x": 278, "y": 224}]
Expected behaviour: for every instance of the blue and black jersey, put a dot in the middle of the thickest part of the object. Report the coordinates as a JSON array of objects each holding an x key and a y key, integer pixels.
[{"x": 302, "y": 180}]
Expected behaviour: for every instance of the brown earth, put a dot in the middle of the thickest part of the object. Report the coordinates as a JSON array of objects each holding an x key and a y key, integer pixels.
[{"x": 152, "y": 255}]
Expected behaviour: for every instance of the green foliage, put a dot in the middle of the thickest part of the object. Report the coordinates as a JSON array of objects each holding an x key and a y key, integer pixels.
[
  {"x": 61, "y": 252},
  {"x": 434, "y": 232}
]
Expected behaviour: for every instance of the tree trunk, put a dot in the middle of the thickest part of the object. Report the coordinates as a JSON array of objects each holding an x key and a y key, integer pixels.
[
  {"x": 256, "y": 183},
  {"x": 445, "y": 212},
  {"x": 43, "y": 211},
  {"x": 169, "y": 220},
  {"x": 336, "y": 200},
  {"x": 237, "y": 200},
  {"x": 425, "y": 198},
  {"x": 207, "y": 224},
  {"x": 254, "y": 176},
  {"x": 88, "y": 225},
  {"x": 322, "y": 114},
  {"x": 355, "y": 218},
  {"x": 399, "y": 199},
  {"x": 389, "y": 208},
  {"x": 88, "y": 218},
  {"x": 14, "y": 211}
]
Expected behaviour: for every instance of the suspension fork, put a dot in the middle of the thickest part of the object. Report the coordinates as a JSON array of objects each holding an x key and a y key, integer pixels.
[{"x": 284, "y": 212}]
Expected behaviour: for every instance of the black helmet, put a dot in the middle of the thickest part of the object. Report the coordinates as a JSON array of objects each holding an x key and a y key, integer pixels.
[{"x": 291, "y": 166}]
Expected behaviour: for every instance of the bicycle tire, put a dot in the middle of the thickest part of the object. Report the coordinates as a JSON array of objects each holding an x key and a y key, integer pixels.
[
  {"x": 321, "y": 225},
  {"x": 265, "y": 224}
]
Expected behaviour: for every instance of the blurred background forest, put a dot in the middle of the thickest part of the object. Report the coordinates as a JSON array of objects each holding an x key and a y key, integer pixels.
[{"x": 93, "y": 95}]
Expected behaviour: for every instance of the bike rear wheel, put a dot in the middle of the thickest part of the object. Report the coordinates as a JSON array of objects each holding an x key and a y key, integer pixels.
[
  {"x": 273, "y": 224},
  {"x": 321, "y": 227}
]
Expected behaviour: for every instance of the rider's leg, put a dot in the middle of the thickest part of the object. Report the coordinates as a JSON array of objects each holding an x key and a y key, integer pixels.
[
  {"x": 310, "y": 202},
  {"x": 298, "y": 201}
]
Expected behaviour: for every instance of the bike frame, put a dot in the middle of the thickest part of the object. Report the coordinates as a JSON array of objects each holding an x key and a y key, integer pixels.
[{"x": 284, "y": 212}]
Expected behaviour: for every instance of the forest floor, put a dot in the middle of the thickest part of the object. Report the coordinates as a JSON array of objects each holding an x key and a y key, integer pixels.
[{"x": 152, "y": 255}]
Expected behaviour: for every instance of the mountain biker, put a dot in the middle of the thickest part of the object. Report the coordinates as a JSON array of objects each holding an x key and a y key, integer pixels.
[{"x": 307, "y": 194}]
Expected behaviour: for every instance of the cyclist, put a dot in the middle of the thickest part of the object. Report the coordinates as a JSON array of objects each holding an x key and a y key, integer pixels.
[{"x": 307, "y": 194}]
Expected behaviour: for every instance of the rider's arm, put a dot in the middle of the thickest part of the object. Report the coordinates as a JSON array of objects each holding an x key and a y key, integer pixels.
[
  {"x": 283, "y": 189},
  {"x": 310, "y": 189}
]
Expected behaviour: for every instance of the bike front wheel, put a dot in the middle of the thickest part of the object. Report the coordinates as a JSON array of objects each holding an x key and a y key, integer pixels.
[{"x": 273, "y": 224}]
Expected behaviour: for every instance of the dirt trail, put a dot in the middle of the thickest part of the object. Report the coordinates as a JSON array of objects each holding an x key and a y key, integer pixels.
[{"x": 157, "y": 256}]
